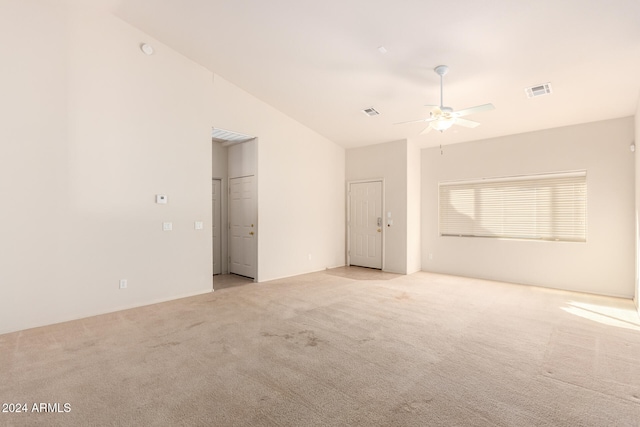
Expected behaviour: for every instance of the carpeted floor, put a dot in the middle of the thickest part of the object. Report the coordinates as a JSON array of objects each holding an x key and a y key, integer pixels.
[{"x": 344, "y": 347}]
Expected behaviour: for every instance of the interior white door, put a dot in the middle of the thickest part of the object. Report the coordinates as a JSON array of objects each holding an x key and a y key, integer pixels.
[
  {"x": 365, "y": 224},
  {"x": 242, "y": 226},
  {"x": 216, "y": 202}
]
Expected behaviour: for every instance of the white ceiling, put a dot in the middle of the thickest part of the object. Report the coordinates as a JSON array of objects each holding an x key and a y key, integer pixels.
[{"x": 318, "y": 61}]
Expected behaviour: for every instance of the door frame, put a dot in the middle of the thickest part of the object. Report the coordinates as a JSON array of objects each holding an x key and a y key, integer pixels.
[{"x": 348, "y": 219}]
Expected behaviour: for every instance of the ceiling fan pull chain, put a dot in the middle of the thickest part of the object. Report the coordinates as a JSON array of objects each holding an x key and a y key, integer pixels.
[{"x": 441, "y": 92}]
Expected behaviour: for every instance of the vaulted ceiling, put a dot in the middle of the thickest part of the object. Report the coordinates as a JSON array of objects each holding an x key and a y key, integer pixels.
[{"x": 320, "y": 63}]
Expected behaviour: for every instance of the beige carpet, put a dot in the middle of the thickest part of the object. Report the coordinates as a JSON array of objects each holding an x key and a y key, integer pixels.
[{"x": 345, "y": 347}]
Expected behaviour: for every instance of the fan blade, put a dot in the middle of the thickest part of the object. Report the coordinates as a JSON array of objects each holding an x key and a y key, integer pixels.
[
  {"x": 466, "y": 123},
  {"x": 473, "y": 110},
  {"x": 415, "y": 121}
]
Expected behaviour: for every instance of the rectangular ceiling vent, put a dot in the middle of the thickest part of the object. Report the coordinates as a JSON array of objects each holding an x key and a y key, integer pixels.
[
  {"x": 370, "y": 112},
  {"x": 228, "y": 137},
  {"x": 538, "y": 90}
]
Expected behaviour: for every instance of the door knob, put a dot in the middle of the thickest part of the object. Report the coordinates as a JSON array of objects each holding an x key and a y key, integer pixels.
[
  {"x": 379, "y": 230},
  {"x": 251, "y": 233}
]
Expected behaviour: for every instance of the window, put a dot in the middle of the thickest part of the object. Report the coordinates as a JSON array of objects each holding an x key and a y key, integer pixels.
[{"x": 536, "y": 207}]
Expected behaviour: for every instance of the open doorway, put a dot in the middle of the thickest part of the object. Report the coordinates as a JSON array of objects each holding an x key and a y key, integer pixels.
[{"x": 234, "y": 205}]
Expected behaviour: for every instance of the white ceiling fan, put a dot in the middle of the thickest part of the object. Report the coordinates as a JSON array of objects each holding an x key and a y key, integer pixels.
[{"x": 442, "y": 118}]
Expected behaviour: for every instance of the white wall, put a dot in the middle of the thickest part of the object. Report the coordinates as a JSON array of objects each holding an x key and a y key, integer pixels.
[
  {"x": 92, "y": 130},
  {"x": 242, "y": 159},
  {"x": 389, "y": 162},
  {"x": 637, "y": 214},
  {"x": 398, "y": 164},
  {"x": 603, "y": 265},
  {"x": 219, "y": 160},
  {"x": 300, "y": 185},
  {"x": 414, "y": 251}
]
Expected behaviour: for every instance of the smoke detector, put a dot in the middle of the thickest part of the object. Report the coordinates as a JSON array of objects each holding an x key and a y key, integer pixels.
[
  {"x": 147, "y": 48},
  {"x": 538, "y": 90}
]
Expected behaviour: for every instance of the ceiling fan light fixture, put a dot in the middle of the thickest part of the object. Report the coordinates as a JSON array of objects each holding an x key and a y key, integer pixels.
[
  {"x": 442, "y": 124},
  {"x": 442, "y": 118}
]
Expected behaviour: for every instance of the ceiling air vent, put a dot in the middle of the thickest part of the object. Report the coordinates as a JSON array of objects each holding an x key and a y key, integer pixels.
[
  {"x": 538, "y": 90},
  {"x": 370, "y": 112}
]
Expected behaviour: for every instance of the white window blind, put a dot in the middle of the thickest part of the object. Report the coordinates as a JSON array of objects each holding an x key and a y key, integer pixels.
[{"x": 538, "y": 207}]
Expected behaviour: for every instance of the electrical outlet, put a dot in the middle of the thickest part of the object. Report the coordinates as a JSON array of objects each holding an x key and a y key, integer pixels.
[
  {"x": 123, "y": 283},
  {"x": 167, "y": 226},
  {"x": 199, "y": 225}
]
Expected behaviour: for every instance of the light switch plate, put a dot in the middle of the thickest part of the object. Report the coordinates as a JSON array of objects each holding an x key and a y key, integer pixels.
[
  {"x": 161, "y": 199},
  {"x": 167, "y": 226},
  {"x": 198, "y": 225}
]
